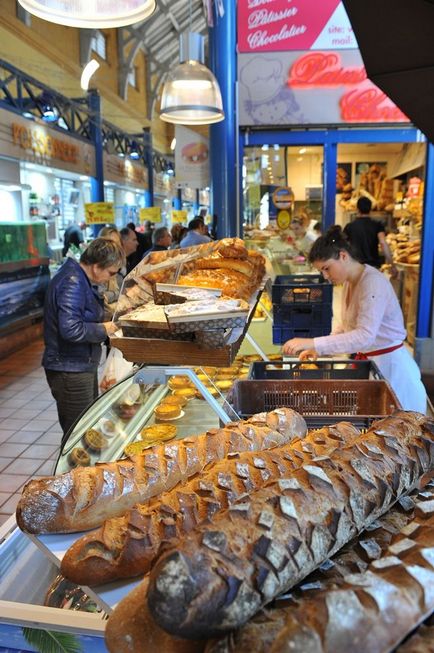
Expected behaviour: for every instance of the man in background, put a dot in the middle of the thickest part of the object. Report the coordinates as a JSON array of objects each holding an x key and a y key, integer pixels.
[
  {"x": 367, "y": 235},
  {"x": 196, "y": 235},
  {"x": 129, "y": 245},
  {"x": 73, "y": 236},
  {"x": 143, "y": 244},
  {"x": 161, "y": 240}
]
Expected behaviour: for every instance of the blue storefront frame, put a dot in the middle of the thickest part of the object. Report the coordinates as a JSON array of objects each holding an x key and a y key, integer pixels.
[{"x": 329, "y": 139}]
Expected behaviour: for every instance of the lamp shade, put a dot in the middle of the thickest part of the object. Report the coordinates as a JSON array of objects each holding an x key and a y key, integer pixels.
[
  {"x": 191, "y": 94},
  {"x": 90, "y": 13}
]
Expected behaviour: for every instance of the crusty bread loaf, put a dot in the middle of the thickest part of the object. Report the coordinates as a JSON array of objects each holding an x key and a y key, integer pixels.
[
  {"x": 126, "y": 546},
  {"x": 232, "y": 248},
  {"x": 222, "y": 573},
  {"x": 131, "y": 629},
  {"x": 367, "y": 598},
  {"x": 422, "y": 641},
  {"x": 84, "y": 497},
  {"x": 218, "y": 262}
]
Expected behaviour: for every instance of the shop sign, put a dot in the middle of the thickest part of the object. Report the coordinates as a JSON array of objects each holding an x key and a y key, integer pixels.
[
  {"x": 179, "y": 216},
  {"x": 282, "y": 25},
  {"x": 283, "y": 219},
  {"x": 305, "y": 88},
  {"x": 191, "y": 158},
  {"x": 99, "y": 213},
  {"x": 152, "y": 213},
  {"x": 43, "y": 144},
  {"x": 125, "y": 172},
  {"x": 283, "y": 197}
]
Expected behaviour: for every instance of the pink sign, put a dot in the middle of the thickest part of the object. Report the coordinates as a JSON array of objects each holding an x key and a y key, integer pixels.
[{"x": 281, "y": 25}]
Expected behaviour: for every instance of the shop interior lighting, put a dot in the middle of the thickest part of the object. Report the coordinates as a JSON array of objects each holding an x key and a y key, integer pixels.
[
  {"x": 134, "y": 151},
  {"x": 302, "y": 150},
  {"x": 90, "y": 68},
  {"x": 191, "y": 94},
  {"x": 12, "y": 186},
  {"x": 91, "y": 14}
]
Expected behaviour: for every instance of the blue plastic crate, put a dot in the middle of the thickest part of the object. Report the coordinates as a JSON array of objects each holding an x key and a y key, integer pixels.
[
  {"x": 303, "y": 316},
  {"x": 283, "y": 333},
  {"x": 299, "y": 289}
]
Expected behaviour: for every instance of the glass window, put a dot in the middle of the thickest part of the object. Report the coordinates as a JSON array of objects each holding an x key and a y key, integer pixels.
[
  {"x": 99, "y": 44},
  {"x": 132, "y": 78}
]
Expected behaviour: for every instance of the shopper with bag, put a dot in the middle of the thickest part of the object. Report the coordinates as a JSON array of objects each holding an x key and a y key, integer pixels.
[
  {"x": 372, "y": 321},
  {"x": 74, "y": 328}
]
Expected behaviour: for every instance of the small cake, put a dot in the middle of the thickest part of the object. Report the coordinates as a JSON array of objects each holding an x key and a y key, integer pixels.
[
  {"x": 167, "y": 411},
  {"x": 228, "y": 371},
  {"x": 94, "y": 440},
  {"x": 158, "y": 432},
  {"x": 211, "y": 389},
  {"x": 203, "y": 377},
  {"x": 210, "y": 371},
  {"x": 177, "y": 382},
  {"x": 135, "y": 448},
  {"x": 274, "y": 357},
  {"x": 224, "y": 385},
  {"x": 225, "y": 376},
  {"x": 108, "y": 427},
  {"x": 79, "y": 457},
  {"x": 187, "y": 393},
  {"x": 174, "y": 400},
  {"x": 126, "y": 410}
]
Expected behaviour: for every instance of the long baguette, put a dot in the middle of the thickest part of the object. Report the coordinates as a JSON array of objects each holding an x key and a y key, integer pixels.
[
  {"x": 84, "y": 497},
  {"x": 221, "y": 574},
  {"x": 126, "y": 546},
  {"x": 367, "y": 598}
]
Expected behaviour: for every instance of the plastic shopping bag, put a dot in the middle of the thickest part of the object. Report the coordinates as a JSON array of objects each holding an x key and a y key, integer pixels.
[{"x": 116, "y": 368}]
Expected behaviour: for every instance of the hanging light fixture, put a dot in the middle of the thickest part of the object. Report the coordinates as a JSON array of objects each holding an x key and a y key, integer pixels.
[
  {"x": 92, "y": 14},
  {"x": 134, "y": 150},
  {"x": 191, "y": 94},
  {"x": 48, "y": 110}
]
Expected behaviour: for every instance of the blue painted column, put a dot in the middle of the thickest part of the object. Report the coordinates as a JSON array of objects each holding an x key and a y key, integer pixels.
[
  {"x": 196, "y": 203},
  {"x": 223, "y": 135},
  {"x": 147, "y": 141},
  {"x": 177, "y": 201},
  {"x": 97, "y": 182},
  {"x": 329, "y": 188},
  {"x": 426, "y": 270}
]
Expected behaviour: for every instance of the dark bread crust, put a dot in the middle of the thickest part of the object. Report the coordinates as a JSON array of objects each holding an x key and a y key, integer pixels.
[{"x": 220, "y": 575}]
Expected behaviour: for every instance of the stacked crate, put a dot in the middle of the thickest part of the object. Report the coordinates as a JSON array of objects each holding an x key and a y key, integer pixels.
[{"x": 302, "y": 307}]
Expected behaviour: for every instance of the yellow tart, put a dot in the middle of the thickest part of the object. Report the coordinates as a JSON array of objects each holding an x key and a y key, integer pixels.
[
  {"x": 176, "y": 382},
  {"x": 174, "y": 400},
  {"x": 167, "y": 411},
  {"x": 187, "y": 393},
  {"x": 158, "y": 432}
]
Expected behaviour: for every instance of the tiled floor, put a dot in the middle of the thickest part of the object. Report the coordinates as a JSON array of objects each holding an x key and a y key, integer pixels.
[{"x": 30, "y": 434}]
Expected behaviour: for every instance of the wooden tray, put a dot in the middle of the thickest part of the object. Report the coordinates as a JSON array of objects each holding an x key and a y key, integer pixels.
[{"x": 178, "y": 352}]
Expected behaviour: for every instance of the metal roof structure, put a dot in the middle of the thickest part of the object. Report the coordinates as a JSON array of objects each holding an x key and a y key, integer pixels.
[{"x": 158, "y": 37}]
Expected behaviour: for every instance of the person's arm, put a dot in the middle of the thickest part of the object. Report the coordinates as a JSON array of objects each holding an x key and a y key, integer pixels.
[
  {"x": 371, "y": 304},
  {"x": 71, "y": 310},
  {"x": 387, "y": 253}
]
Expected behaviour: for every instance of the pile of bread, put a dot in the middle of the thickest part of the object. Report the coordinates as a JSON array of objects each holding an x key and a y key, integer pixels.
[
  {"x": 225, "y": 522},
  {"x": 403, "y": 249}
]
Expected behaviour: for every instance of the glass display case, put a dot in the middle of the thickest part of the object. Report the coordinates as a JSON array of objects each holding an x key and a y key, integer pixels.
[{"x": 117, "y": 417}]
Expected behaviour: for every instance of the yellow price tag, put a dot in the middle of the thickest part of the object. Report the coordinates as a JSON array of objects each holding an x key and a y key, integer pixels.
[
  {"x": 179, "y": 216},
  {"x": 152, "y": 213},
  {"x": 283, "y": 219},
  {"x": 99, "y": 213}
]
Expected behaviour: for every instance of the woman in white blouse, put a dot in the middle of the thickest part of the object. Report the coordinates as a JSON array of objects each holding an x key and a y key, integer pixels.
[{"x": 371, "y": 323}]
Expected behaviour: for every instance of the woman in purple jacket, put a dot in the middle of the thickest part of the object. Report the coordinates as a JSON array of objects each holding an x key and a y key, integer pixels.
[{"x": 74, "y": 328}]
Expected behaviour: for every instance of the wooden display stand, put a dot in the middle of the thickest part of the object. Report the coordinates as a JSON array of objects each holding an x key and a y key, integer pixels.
[{"x": 410, "y": 284}]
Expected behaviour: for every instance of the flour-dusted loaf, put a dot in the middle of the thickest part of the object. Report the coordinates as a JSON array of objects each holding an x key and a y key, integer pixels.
[
  {"x": 222, "y": 573},
  {"x": 368, "y": 597},
  {"x": 86, "y": 496},
  {"x": 131, "y": 629},
  {"x": 126, "y": 546}
]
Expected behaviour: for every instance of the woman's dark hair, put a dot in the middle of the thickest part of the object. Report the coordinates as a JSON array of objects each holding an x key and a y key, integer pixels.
[
  {"x": 330, "y": 245},
  {"x": 104, "y": 253}
]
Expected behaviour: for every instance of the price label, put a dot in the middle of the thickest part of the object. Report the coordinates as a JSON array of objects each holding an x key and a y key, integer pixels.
[
  {"x": 99, "y": 213},
  {"x": 152, "y": 213},
  {"x": 179, "y": 216},
  {"x": 283, "y": 219}
]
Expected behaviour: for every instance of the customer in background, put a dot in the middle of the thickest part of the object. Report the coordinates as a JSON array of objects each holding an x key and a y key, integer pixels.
[
  {"x": 303, "y": 240},
  {"x": 110, "y": 289},
  {"x": 196, "y": 234},
  {"x": 161, "y": 240},
  {"x": 367, "y": 235},
  {"x": 147, "y": 232},
  {"x": 371, "y": 322},
  {"x": 143, "y": 245},
  {"x": 74, "y": 328},
  {"x": 73, "y": 236},
  {"x": 177, "y": 232},
  {"x": 130, "y": 245}
]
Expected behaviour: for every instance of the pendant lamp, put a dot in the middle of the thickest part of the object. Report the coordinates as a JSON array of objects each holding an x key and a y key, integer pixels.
[
  {"x": 92, "y": 14},
  {"x": 191, "y": 94}
]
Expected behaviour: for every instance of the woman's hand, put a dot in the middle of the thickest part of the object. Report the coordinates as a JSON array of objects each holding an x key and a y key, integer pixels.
[
  {"x": 295, "y": 345},
  {"x": 308, "y": 355},
  {"x": 110, "y": 328}
]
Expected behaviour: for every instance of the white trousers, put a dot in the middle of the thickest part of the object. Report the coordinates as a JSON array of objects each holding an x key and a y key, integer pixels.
[{"x": 403, "y": 374}]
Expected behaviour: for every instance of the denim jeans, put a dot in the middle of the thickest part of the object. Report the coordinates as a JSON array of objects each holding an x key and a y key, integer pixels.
[{"x": 73, "y": 392}]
